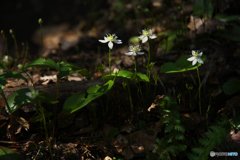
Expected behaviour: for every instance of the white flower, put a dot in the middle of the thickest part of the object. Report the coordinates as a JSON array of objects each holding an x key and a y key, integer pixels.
[
  {"x": 115, "y": 71},
  {"x": 196, "y": 57},
  {"x": 33, "y": 94},
  {"x": 110, "y": 39},
  {"x": 7, "y": 60},
  {"x": 134, "y": 51},
  {"x": 145, "y": 34}
]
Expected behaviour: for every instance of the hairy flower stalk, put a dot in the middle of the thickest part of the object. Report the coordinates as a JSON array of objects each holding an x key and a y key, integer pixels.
[
  {"x": 110, "y": 38},
  {"x": 196, "y": 57},
  {"x": 146, "y": 34}
]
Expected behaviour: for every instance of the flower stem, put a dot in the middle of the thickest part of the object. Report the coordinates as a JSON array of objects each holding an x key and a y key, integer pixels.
[
  {"x": 16, "y": 46},
  {"x": 13, "y": 137},
  {"x": 135, "y": 60},
  {"x": 149, "y": 56},
  {"x": 110, "y": 63},
  {"x": 41, "y": 40},
  {"x": 200, "y": 109},
  {"x": 130, "y": 98},
  {"x": 45, "y": 127}
]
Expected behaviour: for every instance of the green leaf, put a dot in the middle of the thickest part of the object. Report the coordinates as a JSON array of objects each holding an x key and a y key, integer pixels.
[
  {"x": 169, "y": 43},
  {"x": 44, "y": 97},
  {"x": 181, "y": 65},
  {"x": 230, "y": 32},
  {"x": 73, "y": 103},
  {"x": 3, "y": 66},
  {"x": 69, "y": 65},
  {"x": 85, "y": 72},
  {"x": 9, "y": 154},
  {"x": 232, "y": 86},
  {"x": 12, "y": 75},
  {"x": 112, "y": 133},
  {"x": 42, "y": 62},
  {"x": 128, "y": 75},
  {"x": 3, "y": 82},
  {"x": 142, "y": 77},
  {"x": 78, "y": 101},
  {"x": 64, "y": 71},
  {"x": 134, "y": 40},
  {"x": 17, "y": 99},
  {"x": 226, "y": 18},
  {"x": 121, "y": 74},
  {"x": 168, "y": 66}
]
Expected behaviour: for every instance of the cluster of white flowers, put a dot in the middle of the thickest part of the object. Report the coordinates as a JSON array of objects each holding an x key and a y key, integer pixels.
[
  {"x": 134, "y": 50},
  {"x": 146, "y": 34}
]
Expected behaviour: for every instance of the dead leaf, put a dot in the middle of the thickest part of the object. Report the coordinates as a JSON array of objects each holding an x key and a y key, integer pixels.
[
  {"x": 127, "y": 153},
  {"x": 107, "y": 158},
  {"x": 203, "y": 25},
  {"x": 155, "y": 103},
  {"x": 24, "y": 123},
  {"x": 194, "y": 116},
  {"x": 127, "y": 129}
]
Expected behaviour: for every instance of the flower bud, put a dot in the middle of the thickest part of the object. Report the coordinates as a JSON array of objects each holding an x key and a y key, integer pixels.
[
  {"x": 40, "y": 21},
  {"x": 20, "y": 66},
  {"x": 11, "y": 31},
  {"x": 115, "y": 71},
  {"x": 7, "y": 60}
]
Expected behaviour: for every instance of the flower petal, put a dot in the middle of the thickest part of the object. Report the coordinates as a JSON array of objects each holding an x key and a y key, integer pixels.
[
  {"x": 110, "y": 44},
  {"x": 191, "y": 58},
  {"x": 152, "y": 36},
  {"x": 103, "y": 41},
  {"x": 200, "y": 60},
  {"x": 129, "y": 53},
  {"x": 144, "y": 39},
  {"x": 193, "y": 51},
  {"x": 140, "y": 53},
  {"x": 194, "y": 62},
  {"x": 37, "y": 92},
  {"x": 134, "y": 54},
  {"x": 28, "y": 94},
  {"x": 200, "y": 54},
  {"x": 118, "y": 41},
  {"x": 141, "y": 37},
  {"x": 31, "y": 89}
]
